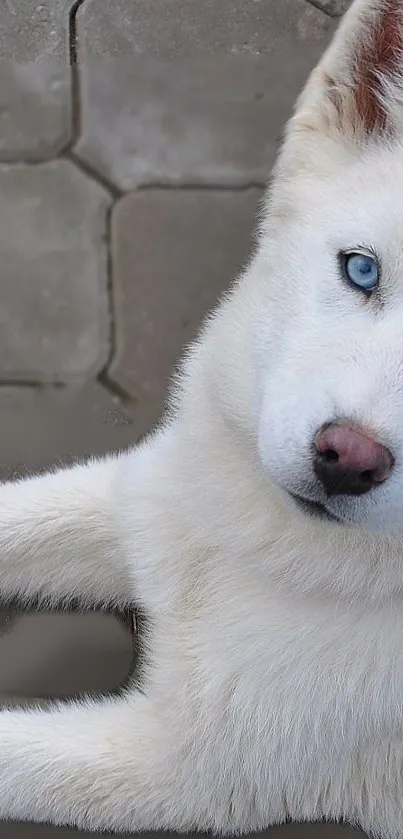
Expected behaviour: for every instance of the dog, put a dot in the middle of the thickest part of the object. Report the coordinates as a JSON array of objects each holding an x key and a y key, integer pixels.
[{"x": 259, "y": 528}]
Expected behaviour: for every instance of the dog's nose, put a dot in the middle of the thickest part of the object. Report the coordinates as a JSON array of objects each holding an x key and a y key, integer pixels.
[{"x": 348, "y": 462}]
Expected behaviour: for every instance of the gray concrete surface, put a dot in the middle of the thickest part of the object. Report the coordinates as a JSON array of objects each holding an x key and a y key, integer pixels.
[
  {"x": 35, "y": 109},
  {"x": 32, "y": 30},
  {"x": 180, "y": 28},
  {"x": 54, "y": 309},
  {"x": 153, "y": 121},
  {"x": 102, "y": 282},
  {"x": 35, "y": 79}
]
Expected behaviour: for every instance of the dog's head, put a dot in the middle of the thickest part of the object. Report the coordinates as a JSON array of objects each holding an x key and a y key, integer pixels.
[{"x": 327, "y": 282}]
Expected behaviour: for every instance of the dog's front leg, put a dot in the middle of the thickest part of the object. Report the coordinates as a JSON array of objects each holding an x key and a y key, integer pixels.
[
  {"x": 97, "y": 765},
  {"x": 58, "y": 538}
]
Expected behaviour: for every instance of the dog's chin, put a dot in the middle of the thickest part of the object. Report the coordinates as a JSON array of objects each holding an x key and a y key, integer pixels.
[{"x": 314, "y": 509}]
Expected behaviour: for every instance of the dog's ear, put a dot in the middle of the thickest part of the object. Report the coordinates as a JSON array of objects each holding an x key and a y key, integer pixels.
[{"x": 356, "y": 91}]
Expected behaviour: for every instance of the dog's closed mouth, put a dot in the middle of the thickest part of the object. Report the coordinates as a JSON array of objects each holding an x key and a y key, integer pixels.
[{"x": 313, "y": 508}]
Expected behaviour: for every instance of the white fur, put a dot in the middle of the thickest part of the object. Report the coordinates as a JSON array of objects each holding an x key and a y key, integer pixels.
[{"x": 273, "y": 680}]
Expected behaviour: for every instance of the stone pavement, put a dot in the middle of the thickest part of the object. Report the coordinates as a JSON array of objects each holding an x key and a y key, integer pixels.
[{"x": 136, "y": 137}]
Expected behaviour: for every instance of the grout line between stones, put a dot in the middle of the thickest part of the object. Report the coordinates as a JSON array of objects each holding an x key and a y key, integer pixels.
[
  {"x": 93, "y": 174},
  {"x": 68, "y": 153},
  {"x": 103, "y": 374},
  {"x": 74, "y": 71},
  {"x": 103, "y": 378},
  {"x": 116, "y": 390},
  {"x": 320, "y": 8},
  {"x": 57, "y": 154}
]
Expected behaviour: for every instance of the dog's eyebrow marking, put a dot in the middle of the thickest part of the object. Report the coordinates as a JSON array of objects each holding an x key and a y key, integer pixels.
[{"x": 378, "y": 59}]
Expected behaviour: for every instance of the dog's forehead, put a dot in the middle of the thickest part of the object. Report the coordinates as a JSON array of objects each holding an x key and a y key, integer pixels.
[
  {"x": 363, "y": 199},
  {"x": 379, "y": 165},
  {"x": 373, "y": 188}
]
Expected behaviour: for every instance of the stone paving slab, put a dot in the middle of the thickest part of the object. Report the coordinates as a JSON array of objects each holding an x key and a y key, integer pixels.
[
  {"x": 173, "y": 254},
  {"x": 148, "y": 121},
  {"x": 179, "y": 28},
  {"x": 35, "y": 109},
  {"x": 63, "y": 655},
  {"x": 35, "y": 79},
  {"x": 34, "y": 29},
  {"x": 44, "y": 426},
  {"x": 54, "y": 321}
]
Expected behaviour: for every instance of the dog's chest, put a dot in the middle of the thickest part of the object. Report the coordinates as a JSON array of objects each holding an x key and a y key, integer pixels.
[
  {"x": 287, "y": 708},
  {"x": 300, "y": 681}
]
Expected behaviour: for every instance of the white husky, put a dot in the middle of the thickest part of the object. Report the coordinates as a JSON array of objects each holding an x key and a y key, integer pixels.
[{"x": 260, "y": 529}]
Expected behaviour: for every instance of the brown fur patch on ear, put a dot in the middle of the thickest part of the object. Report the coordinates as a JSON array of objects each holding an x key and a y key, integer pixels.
[{"x": 379, "y": 57}]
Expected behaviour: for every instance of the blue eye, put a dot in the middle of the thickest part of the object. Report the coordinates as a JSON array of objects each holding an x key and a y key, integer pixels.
[{"x": 362, "y": 270}]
